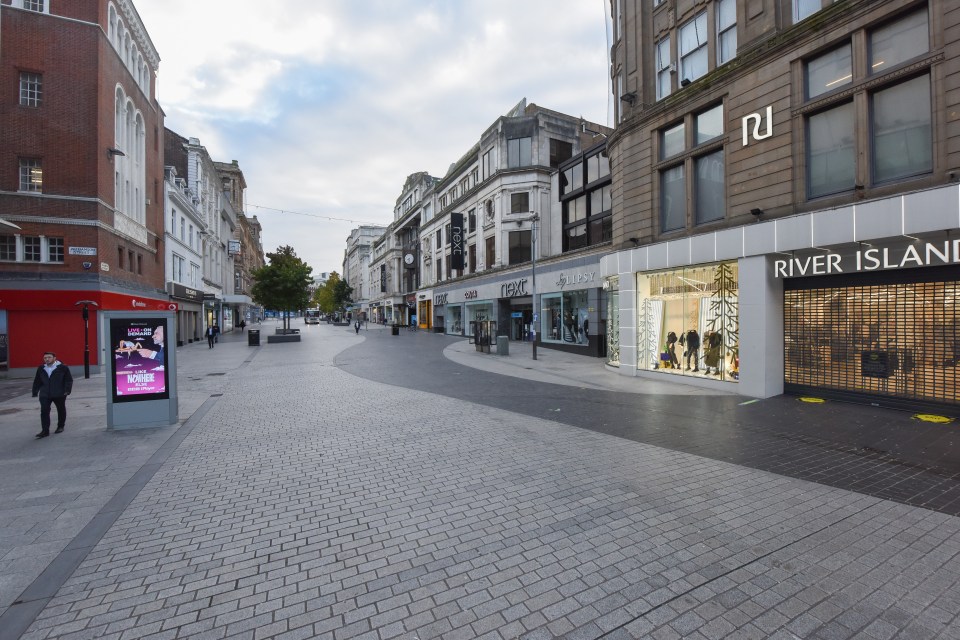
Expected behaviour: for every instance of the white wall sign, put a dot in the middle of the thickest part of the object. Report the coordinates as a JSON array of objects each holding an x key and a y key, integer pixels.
[{"x": 757, "y": 120}]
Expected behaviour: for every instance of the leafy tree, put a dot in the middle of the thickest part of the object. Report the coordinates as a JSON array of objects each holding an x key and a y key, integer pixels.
[
  {"x": 282, "y": 284},
  {"x": 334, "y": 295}
]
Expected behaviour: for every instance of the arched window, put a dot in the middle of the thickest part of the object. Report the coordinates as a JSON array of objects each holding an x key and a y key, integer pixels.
[{"x": 112, "y": 26}]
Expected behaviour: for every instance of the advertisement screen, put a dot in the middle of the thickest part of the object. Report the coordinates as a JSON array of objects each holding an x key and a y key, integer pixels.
[{"x": 139, "y": 359}]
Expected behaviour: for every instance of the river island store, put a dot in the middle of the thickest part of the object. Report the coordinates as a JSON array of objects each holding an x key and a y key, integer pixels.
[{"x": 855, "y": 303}]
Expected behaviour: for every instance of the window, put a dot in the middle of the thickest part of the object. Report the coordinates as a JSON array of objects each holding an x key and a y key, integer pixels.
[
  {"x": 183, "y": 226},
  {"x": 672, "y": 141},
  {"x": 896, "y": 142},
  {"x": 487, "y": 163},
  {"x": 598, "y": 166},
  {"x": 726, "y": 31},
  {"x": 673, "y": 199},
  {"x": 130, "y": 261},
  {"x": 902, "y": 131},
  {"x": 31, "y": 175},
  {"x": 31, "y": 89},
  {"x": 830, "y": 151},
  {"x": 178, "y": 267},
  {"x": 439, "y": 238},
  {"x": 471, "y": 220},
  {"x": 54, "y": 249},
  {"x": 571, "y": 179},
  {"x": 34, "y": 5},
  {"x": 710, "y": 191},
  {"x": 899, "y": 41},
  {"x": 139, "y": 264},
  {"x": 663, "y": 68},
  {"x": 709, "y": 124},
  {"x": 575, "y": 223},
  {"x": 173, "y": 221},
  {"x": 560, "y": 152},
  {"x": 693, "y": 48},
  {"x": 472, "y": 258},
  {"x": 519, "y": 247},
  {"x": 439, "y": 270},
  {"x": 8, "y": 247},
  {"x": 519, "y": 152},
  {"x": 520, "y": 202},
  {"x": 803, "y": 9},
  {"x": 490, "y": 251},
  {"x": 564, "y": 318},
  {"x": 31, "y": 249},
  {"x": 829, "y": 71},
  {"x": 120, "y": 257}
]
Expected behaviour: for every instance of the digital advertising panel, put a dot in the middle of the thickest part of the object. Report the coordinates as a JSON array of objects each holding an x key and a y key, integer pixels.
[{"x": 139, "y": 362}]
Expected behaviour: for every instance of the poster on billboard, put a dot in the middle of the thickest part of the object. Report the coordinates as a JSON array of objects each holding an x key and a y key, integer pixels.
[{"x": 139, "y": 363}]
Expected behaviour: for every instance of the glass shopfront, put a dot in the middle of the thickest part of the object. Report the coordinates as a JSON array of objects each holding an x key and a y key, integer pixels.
[
  {"x": 689, "y": 323},
  {"x": 891, "y": 336},
  {"x": 479, "y": 312},
  {"x": 613, "y": 321},
  {"x": 454, "y": 320},
  {"x": 564, "y": 318}
]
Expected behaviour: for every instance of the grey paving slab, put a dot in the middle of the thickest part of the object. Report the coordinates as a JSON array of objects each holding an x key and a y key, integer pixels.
[{"x": 325, "y": 505}]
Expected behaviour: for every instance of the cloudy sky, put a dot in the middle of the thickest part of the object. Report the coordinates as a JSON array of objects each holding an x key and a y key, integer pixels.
[{"x": 328, "y": 105}]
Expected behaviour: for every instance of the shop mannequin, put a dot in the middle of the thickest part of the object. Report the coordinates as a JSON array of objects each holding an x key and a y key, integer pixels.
[
  {"x": 672, "y": 350},
  {"x": 693, "y": 349},
  {"x": 711, "y": 355}
]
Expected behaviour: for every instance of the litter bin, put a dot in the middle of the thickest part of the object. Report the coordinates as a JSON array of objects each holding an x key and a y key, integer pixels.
[
  {"x": 395, "y": 330},
  {"x": 253, "y": 338}
]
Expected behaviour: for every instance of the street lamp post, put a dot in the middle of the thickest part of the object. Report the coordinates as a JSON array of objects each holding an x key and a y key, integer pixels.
[
  {"x": 86, "y": 334},
  {"x": 533, "y": 273}
]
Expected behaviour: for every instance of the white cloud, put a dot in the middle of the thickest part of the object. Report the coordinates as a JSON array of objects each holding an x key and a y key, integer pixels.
[{"x": 328, "y": 106}]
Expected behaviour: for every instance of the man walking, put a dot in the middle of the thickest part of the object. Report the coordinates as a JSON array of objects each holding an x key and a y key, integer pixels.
[
  {"x": 211, "y": 335},
  {"x": 53, "y": 383}
]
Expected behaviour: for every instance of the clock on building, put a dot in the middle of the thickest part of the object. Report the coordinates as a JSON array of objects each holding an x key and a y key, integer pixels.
[{"x": 408, "y": 259}]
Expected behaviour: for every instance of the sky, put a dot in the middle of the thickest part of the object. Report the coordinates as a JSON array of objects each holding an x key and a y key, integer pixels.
[{"x": 328, "y": 105}]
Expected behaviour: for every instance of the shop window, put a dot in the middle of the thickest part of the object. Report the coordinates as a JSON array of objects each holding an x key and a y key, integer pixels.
[
  {"x": 454, "y": 320},
  {"x": 889, "y": 337},
  {"x": 726, "y": 30},
  {"x": 830, "y": 151},
  {"x": 902, "y": 130},
  {"x": 613, "y": 321},
  {"x": 664, "y": 67},
  {"x": 688, "y": 322},
  {"x": 692, "y": 43},
  {"x": 829, "y": 71},
  {"x": 564, "y": 318},
  {"x": 519, "y": 247},
  {"x": 519, "y": 152}
]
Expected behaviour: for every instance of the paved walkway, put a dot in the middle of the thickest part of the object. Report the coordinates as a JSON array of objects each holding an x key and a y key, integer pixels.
[{"x": 308, "y": 503}]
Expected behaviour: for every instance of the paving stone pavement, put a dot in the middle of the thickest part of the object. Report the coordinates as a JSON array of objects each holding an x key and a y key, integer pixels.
[{"x": 309, "y": 503}]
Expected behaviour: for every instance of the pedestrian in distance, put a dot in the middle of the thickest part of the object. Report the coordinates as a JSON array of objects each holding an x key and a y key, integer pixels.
[
  {"x": 211, "y": 336},
  {"x": 243, "y": 325},
  {"x": 356, "y": 326},
  {"x": 216, "y": 333},
  {"x": 53, "y": 383}
]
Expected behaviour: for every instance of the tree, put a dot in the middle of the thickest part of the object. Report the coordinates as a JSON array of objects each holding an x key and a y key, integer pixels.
[
  {"x": 334, "y": 295},
  {"x": 282, "y": 284}
]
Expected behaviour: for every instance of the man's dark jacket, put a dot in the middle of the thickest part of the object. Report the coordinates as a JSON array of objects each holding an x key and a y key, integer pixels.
[{"x": 57, "y": 385}]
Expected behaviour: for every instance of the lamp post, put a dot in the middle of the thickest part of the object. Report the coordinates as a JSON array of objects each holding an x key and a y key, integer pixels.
[{"x": 86, "y": 334}]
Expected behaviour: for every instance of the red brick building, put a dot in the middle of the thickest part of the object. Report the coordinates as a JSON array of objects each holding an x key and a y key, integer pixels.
[{"x": 81, "y": 173}]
